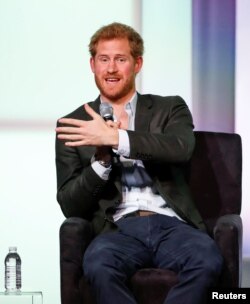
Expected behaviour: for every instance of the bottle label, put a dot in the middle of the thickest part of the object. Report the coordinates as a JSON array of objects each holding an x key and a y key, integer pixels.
[{"x": 11, "y": 262}]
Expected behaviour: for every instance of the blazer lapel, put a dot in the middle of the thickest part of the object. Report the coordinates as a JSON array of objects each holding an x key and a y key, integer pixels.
[
  {"x": 143, "y": 111},
  {"x": 95, "y": 105},
  {"x": 143, "y": 115}
]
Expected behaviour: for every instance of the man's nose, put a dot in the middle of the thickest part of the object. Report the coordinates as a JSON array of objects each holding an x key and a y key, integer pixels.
[{"x": 112, "y": 67}]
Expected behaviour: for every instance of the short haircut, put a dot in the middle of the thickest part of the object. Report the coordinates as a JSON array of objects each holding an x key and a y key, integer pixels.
[{"x": 118, "y": 31}]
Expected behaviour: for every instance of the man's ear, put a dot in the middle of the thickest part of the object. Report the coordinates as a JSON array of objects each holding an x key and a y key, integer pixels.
[
  {"x": 92, "y": 64},
  {"x": 138, "y": 64}
]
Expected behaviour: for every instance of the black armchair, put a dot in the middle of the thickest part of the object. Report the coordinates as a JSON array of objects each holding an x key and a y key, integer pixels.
[{"x": 214, "y": 176}]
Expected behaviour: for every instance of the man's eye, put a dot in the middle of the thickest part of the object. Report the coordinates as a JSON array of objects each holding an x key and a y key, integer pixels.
[
  {"x": 103, "y": 59},
  {"x": 121, "y": 60}
]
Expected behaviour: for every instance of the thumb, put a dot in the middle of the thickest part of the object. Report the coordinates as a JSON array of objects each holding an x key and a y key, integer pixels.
[{"x": 90, "y": 111}]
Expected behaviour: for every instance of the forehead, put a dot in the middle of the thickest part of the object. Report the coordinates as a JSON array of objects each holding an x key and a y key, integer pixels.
[{"x": 113, "y": 47}]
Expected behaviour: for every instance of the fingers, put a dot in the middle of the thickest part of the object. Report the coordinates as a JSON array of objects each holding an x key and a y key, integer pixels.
[
  {"x": 70, "y": 136},
  {"x": 93, "y": 132},
  {"x": 77, "y": 122},
  {"x": 71, "y": 130},
  {"x": 75, "y": 143},
  {"x": 112, "y": 124},
  {"x": 71, "y": 121},
  {"x": 90, "y": 111}
]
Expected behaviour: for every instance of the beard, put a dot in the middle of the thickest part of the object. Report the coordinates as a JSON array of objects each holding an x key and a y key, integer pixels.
[{"x": 116, "y": 93}]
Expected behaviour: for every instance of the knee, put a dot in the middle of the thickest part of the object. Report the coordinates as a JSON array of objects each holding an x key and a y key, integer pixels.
[
  {"x": 213, "y": 265},
  {"x": 210, "y": 260}
]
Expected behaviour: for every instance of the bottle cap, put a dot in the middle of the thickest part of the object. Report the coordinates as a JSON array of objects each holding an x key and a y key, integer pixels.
[{"x": 13, "y": 248}]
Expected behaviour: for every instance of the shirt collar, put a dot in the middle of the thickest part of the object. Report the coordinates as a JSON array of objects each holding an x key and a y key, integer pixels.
[{"x": 131, "y": 104}]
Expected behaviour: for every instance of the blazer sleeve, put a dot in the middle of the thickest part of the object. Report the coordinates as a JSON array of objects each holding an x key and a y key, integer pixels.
[{"x": 78, "y": 186}]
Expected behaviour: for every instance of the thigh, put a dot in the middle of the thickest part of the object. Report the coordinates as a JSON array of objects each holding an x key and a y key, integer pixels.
[
  {"x": 181, "y": 244},
  {"x": 116, "y": 250}
]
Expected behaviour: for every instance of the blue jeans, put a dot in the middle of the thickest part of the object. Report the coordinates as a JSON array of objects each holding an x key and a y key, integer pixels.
[{"x": 157, "y": 241}]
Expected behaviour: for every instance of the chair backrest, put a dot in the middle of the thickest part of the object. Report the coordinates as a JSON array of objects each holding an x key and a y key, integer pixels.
[{"x": 214, "y": 175}]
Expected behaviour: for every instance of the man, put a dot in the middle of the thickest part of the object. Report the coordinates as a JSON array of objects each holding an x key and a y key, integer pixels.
[{"x": 125, "y": 176}]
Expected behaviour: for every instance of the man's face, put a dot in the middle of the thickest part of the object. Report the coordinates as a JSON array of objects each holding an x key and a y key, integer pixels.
[{"x": 115, "y": 69}]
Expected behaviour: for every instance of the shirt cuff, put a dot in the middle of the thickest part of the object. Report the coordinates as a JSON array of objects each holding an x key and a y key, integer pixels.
[
  {"x": 101, "y": 171},
  {"x": 123, "y": 145}
]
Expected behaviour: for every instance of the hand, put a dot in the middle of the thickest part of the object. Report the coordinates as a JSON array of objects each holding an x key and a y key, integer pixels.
[{"x": 95, "y": 132}]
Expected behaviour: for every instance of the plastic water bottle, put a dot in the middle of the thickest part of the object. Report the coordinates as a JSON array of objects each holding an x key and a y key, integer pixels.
[{"x": 13, "y": 281}]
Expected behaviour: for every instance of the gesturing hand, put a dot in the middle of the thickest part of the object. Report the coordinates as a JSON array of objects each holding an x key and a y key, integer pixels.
[{"x": 95, "y": 132}]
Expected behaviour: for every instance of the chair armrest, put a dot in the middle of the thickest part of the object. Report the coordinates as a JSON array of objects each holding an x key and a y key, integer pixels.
[
  {"x": 75, "y": 235},
  {"x": 228, "y": 236}
]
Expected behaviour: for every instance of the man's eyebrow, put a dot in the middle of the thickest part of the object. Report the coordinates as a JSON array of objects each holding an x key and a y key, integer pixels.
[{"x": 116, "y": 55}]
